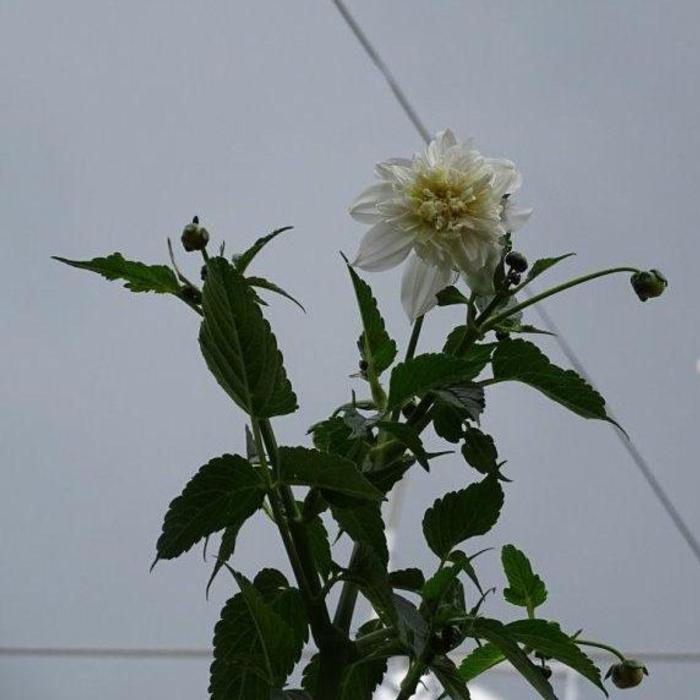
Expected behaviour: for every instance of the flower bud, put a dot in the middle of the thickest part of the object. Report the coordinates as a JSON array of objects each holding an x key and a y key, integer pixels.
[
  {"x": 517, "y": 261},
  {"x": 514, "y": 277},
  {"x": 203, "y": 272},
  {"x": 545, "y": 670},
  {"x": 364, "y": 365},
  {"x": 627, "y": 674},
  {"x": 194, "y": 236},
  {"x": 191, "y": 294},
  {"x": 649, "y": 284}
]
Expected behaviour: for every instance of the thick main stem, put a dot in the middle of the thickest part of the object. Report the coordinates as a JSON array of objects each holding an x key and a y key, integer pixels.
[
  {"x": 411, "y": 680},
  {"x": 335, "y": 648}
]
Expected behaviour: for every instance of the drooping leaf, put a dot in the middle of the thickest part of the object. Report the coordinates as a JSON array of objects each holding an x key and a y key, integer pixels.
[
  {"x": 499, "y": 636},
  {"x": 542, "y": 265},
  {"x": 364, "y": 524},
  {"x": 547, "y": 638},
  {"x": 387, "y": 477},
  {"x": 239, "y": 346},
  {"x": 361, "y": 679},
  {"x": 303, "y": 466},
  {"x": 479, "y": 450},
  {"x": 450, "y": 679},
  {"x": 254, "y": 648},
  {"x": 520, "y": 360},
  {"x": 262, "y": 283},
  {"x": 479, "y": 661},
  {"x": 467, "y": 398},
  {"x": 413, "y": 628},
  {"x": 448, "y": 421},
  {"x": 424, "y": 373},
  {"x": 224, "y": 493},
  {"x": 460, "y": 515},
  {"x": 409, "y": 436},
  {"x": 526, "y": 588},
  {"x": 138, "y": 276},
  {"x": 410, "y": 579},
  {"x": 376, "y": 346},
  {"x": 244, "y": 259}
]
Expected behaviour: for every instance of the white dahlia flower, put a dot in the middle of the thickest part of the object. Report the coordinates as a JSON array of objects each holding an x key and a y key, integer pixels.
[{"x": 446, "y": 210}]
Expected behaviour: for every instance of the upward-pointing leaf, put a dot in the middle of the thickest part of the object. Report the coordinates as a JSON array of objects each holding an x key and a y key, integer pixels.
[
  {"x": 224, "y": 493},
  {"x": 239, "y": 346},
  {"x": 462, "y": 514},
  {"x": 543, "y": 264},
  {"x": 323, "y": 470},
  {"x": 138, "y": 276},
  {"x": 522, "y": 361},
  {"x": 526, "y": 588},
  {"x": 377, "y": 348},
  {"x": 244, "y": 259}
]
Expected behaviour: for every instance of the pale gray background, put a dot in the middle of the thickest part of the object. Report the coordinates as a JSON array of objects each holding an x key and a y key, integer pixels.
[{"x": 120, "y": 120}]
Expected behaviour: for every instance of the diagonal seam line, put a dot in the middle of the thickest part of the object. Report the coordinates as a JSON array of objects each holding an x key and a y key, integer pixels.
[{"x": 640, "y": 462}]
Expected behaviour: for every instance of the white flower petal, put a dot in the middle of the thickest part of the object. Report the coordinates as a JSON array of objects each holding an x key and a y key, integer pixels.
[
  {"x": 480, "y": 280},
  {"x": 387, "y": 169},
  {"x": 439, "y": 146},
  {"x": 514, "y": 218},
  {"x": 419, "y": 285},
  {"x": 384, "y": 246},
  {"x": 507, "y": 179},
  {"x": 364, "y": 208}
]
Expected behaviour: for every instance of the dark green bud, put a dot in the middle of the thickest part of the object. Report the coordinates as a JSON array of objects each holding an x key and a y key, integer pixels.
[
  {"x": 517, "y": 261},
  {"x": 203, "y": 272},
  {"x": 627, "y": 674},
  {"x": 545, "y": 670},
  {"x": 514, "y": 277},
  {"x": 649, "y": 284},
  {"x": 363, "y": 365},
  {"x": 408, "y": 409},
  {"x": 502, "y": 335},
  {"x": 191, "y": 295},
  {"x": 194, "y": 236}
]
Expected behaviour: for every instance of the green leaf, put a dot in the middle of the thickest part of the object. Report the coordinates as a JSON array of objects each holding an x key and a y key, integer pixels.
[
  {"x": 239, "y": 346},
  {"x": 547, "y": 638},
  {"x": 224, "y": 493},
  {"x": 409, "y": 436},
  {"x": 244, "y": 259},
  {"x": 413, "y": 629},
  {"x": 542, "y": 265},
  {"x": 479, "y": 450},
  {"x": 479, "y": 661},
  {"x": 254, "y": 647},
  {"x": 450, "y": 296},
  {"x": 448, "y": 422},
  {"x": 526, "y": 588},
  {"x": 290, "y": 694},
  {"x": 138, "y": 276},
  {"x": 262, "y": 283},
  {"x": 467, "y": 398},
  {"x": 376, "y": 346},
  {"x": 361, "y": 679},
  {"x": 307, "y": 467},
  {"x": 387, "y": 477},
  {"x": 319, "y": 545},
  {"x": 410, "y": 579},
  {"x": 460, "y": 515},
  {"x": 450, "y": 679},
  {"x": 522, "y": 361},
  {"x": 369, "y": 573},
  {"x": 365, "y": 526},
  {"x": 500, "y": 637},
  {"x": 425, "y": 373},
  {"x": 226, "y": 549},
  {"x": 439, "y": 584}
]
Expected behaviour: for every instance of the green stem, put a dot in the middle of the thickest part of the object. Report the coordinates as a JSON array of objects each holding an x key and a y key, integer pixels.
[
  {"x": 413, "y": 340},
  {"x": 550, "y": 292},
  {"x": 411, "y": 680},
  {"x": 600, "y": 645},
  {"x": 369, "y": 640}
]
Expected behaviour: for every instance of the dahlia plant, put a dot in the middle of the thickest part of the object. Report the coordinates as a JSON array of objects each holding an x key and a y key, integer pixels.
[{"x": 449, "y": 213}]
